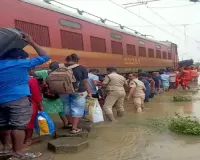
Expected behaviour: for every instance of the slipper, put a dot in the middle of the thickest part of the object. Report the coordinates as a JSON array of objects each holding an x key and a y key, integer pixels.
[
  {"x": 75, "y": 130},
  {"x": 6, "y": 151},
  {"x": 25, "y": 156}
]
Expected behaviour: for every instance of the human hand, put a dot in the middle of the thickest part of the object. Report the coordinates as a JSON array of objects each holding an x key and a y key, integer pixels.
[
  {"x": 28, "y": 38},
  {"x": 127, "y": 98},
  {"x": 40, "y": 107},
  {"x": 89, "y": 95}
]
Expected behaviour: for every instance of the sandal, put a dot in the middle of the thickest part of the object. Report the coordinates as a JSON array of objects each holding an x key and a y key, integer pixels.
[
  {"x": 75, "y": 130},
  {"x": 26, "y": 156},
  {"x": 6, "y": 151},
  {"x": 68, "y": 126}
]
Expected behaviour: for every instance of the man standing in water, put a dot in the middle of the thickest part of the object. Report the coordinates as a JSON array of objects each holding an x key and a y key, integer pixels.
[
  {"x": 142, "y": 77},
  {"x": 114, "y": 84},
  {"x": 136, "y": 91},
  {"x": 15, "y": 107}
]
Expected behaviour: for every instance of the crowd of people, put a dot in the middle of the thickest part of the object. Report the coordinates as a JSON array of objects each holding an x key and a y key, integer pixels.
[{"x": 24, "y": 91}]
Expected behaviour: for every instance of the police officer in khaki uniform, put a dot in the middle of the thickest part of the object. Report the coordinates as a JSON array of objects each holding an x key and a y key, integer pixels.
[
  {"x": 114, "y": 85},
  {"x": 136, "y": 91}
]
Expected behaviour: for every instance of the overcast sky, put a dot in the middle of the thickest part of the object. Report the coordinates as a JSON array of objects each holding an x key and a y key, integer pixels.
[{"x": 174, "y": 11}]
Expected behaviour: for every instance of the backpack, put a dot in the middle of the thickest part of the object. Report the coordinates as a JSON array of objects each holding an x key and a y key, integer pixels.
[
  {"x": 10, "y": 38},
  {"x": 61, "y": 80}
]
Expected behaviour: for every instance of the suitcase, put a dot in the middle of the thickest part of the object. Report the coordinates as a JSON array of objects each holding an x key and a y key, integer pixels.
[{"x": 10, "y": 38}]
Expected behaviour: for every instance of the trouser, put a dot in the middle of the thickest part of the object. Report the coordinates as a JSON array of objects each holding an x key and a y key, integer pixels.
[
  {"x": 114, "y": 99},
  {"x": 139, "y": 101}
]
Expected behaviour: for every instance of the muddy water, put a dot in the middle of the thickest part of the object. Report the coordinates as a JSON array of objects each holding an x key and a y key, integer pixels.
[{"x": 128, "y": 140}]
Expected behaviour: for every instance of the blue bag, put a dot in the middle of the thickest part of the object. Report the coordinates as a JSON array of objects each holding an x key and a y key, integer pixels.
[{"x": 44, "y": 125}]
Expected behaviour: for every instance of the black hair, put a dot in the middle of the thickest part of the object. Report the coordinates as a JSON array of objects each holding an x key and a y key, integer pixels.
[
  {"x": 54, "y": 65},
  {"x": 72, "y": 58},
  {"x": 94, "y": 70},
  {"x": 15, "y": 53},
  {"x": 111, "y": 69},
  {"x": 142, "y": 74},
  {"x": 161, "y": 72}
]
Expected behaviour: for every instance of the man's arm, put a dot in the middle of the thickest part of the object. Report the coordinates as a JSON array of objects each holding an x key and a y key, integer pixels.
[
  {"x": 106, "y": 81},
  {"x": 38, "y": 49},
  {"x": 132, "y": 86},
  {"x": 85, "y": 81},
  {"x": 36, "y": 61}
]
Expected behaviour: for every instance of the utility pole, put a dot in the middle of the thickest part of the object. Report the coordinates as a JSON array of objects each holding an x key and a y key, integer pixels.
[{"x": 185, "y": 25}]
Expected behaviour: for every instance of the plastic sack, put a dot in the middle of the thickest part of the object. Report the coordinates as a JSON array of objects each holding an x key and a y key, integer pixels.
[
  {"x": 44, "y": 125},
  {"x": 94, "y": 111}
]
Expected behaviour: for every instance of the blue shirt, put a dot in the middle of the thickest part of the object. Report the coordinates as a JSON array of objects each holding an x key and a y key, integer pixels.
[
  {"x": 14, "y": 77},
  {"x": 147, "y": 86},
  {"x": 165, "y": 80},
  {"x": 91, "y": 78},
  {"x": 157, "y": 79}
]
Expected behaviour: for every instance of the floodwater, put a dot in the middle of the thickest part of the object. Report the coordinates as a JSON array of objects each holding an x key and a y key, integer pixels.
[{"x": 130, "y": 139}]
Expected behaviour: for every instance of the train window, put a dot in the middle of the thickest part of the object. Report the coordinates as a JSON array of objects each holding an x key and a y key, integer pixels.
[
  {"x": 151, "y": 53},
  {"x": 71, "y": 40},
  {"x": 70, "y": 24},
  {"x": 141, "y": 42},
  {"x": 116, "y": 47},
  {"x": 116, "y": 36},
  {"x": 164, "y": 55},
  {"x": 131, "y": 50},
  {"x": 142, "y": 51},
  {"x": 158, "y": 46},
  {"x": 97, "y": 44},
  {"x": 39, "y": 33},
  {"x": 169, "y": 55},
  {"x": 158, "y": 54}
]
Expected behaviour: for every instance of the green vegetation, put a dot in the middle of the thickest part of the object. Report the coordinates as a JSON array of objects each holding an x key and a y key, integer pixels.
[
  {"x": 185, "y": 125},
  {"x": 181, "y": 99}
]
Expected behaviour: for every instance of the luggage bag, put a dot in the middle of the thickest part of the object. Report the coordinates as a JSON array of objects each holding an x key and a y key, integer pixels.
[{"x": 10, "y": 38}]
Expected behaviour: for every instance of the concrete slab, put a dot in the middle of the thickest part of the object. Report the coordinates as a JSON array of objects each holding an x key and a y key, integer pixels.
[
  {"x": 5, "y": 156},
  {"x": 68, "y": 144},
  {"x": 66, "y": 133},
  {"x": 86, "y": 124}
]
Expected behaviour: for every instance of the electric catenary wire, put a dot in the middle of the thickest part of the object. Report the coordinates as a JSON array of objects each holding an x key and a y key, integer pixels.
[{"x": 144, "y": 19}]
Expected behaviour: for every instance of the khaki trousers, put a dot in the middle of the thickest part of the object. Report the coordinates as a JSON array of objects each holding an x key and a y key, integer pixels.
[
  {"x": 139, "y": 101},
  {"x": 114, "y": 99}
]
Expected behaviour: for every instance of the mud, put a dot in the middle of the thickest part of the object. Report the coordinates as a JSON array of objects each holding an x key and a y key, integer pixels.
[
  {"x": 133, "y": 138},
  {"x": 130, "y": 139}
]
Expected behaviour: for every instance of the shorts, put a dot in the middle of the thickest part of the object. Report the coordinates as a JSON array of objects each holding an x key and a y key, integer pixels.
[
  {"x": 172, "y": 85},
  {"x": 74, "y": 104},
  {"x": 15, "y": 114}
]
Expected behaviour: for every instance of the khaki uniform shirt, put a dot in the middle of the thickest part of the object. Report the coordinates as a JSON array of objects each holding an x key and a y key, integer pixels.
[
  {"x": 114, "y": 82},
  {"x": 138, "y": 87}
]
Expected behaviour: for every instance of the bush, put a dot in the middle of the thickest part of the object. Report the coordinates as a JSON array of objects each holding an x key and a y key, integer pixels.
[
  {"x": 184, "y": 125},
  {"x": 181, "y": 99}
]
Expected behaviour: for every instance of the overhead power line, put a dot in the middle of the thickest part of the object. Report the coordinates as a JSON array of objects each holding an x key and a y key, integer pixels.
[
  {"x": 174, "y": 6},
  {"x": 145, "y": 19},
  {"x": 158, "y": 15},
  {"x": 164, "y": 25}
]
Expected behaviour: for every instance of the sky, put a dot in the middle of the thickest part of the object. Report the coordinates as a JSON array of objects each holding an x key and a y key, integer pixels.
[{"x": 169, "y": 15}]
